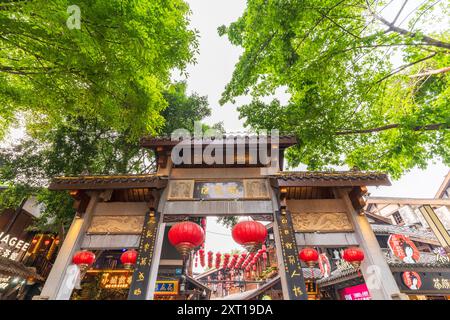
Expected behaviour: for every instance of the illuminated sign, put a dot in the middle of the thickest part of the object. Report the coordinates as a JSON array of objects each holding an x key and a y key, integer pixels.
[
  {"x": 11, "y": 247},
  {"x": 116, "y": 280},
  {"x": 166, "y": 288},
  {"x": 359, "y": 292}
]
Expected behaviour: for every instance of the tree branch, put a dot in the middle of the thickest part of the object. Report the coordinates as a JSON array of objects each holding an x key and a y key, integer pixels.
[
  {"x": 428, "y": 127},
  {"x": 393, "y": 28},
  {"x": 431, "y": 72},
  {"x": 404, "y": 67}
]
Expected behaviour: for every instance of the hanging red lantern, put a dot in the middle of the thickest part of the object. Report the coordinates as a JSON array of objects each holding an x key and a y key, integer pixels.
[
  {"x": 128, "y": 258},
  {"x": 201, "y": 253},
  {"x": 354, "y": 256},
  {"x": 83, "y": 259},
  {"x": 185, "y": 236},
  {"x": 218, "y": 258},
  {"x": 249, "y": 233},
  {"x": 310, "y": 256},
  {"x": 47, "y": 242},
  {"x": 34, "y": 241}
]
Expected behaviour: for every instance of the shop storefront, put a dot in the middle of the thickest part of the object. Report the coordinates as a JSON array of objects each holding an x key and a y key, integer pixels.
[{"x": 25, "y": 257}]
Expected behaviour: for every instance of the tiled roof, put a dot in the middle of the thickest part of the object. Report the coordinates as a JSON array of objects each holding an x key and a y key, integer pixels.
[
  {"x": 284, "y": 140},
  {"x": 331, "y": 178},
  {"x": 14, "y": 268},
  {"x": 107, "y": 182},
  {"x": 417, "y": 234},
  {"x": 338, "y": 276}
]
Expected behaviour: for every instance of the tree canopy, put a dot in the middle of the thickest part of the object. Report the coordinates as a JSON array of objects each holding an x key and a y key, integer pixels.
[
  {"x": 114, "y": 64},
  {"x": 80, "y": 145},
  {"x": 364, "y": 90},
  {"x": 86, "y": 81}
]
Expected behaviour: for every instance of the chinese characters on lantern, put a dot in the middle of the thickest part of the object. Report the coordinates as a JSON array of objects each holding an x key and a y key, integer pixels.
[
  {"x": 293, "y": 269},
  {"x": 141, "y": 275}
]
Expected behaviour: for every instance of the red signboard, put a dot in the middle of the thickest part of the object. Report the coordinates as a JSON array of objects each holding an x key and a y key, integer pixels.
[
  {"x": 403, "y": 248},
  {"x": 412, "y": 280},
  {"x": 359, "y": 292}
]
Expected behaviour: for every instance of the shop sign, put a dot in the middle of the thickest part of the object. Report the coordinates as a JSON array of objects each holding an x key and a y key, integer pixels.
[
  {"x": 11, "y": 247},
  {"x": 294, "y": 274},
  {"x": 166, "y": 288},
  {"x": 423, "y": 282},
  {"x": 116, "y": 280},
  {"x": 403, "y": 248},
  {"x": 359, "y": 292},
  {"x": 219, "y": 190}
]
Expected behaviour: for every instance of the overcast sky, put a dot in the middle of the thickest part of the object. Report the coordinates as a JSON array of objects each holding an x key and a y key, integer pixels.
[{"x": 214, "y": 69}]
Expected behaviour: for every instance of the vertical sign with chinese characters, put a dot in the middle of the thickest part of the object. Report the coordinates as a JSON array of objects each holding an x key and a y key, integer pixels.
[
  {"x": 289, "y": 251},
  {"x": 141, "y": 275}
]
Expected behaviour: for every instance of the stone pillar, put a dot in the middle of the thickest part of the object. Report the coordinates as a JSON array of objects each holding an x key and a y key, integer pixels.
[
  {"x": 71, "y": 244},
  {"x": 375, "y": 270}
]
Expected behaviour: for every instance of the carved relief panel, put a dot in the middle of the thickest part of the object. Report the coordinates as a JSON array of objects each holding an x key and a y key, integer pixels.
[
  {"x": 116, "y": 225},
  {"x": 321, "y": 222}
]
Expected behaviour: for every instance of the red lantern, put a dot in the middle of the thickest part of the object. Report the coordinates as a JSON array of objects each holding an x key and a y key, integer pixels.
[
  {"x": 310, "y": 256},
  {"x": 47, "y": 242},
  {"x": 128, "y": 258},
  {"x": 249, "y": 233},
  {"x": 185, "y": 236},
  {"x": 83, "y": 259},
  {"x": 354, "y": 256}
]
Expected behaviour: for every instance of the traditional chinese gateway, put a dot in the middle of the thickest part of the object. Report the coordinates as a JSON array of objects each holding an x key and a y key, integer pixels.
[{"x": 133, "y": 235}]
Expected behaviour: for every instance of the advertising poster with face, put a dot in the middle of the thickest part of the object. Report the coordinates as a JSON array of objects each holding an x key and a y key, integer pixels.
[
  {"x": 412, "y": 280},
  {"x": 403, "y": 248}
]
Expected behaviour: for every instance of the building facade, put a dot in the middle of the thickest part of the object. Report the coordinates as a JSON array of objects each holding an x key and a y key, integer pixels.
[{"x": 323, "y": 210}]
